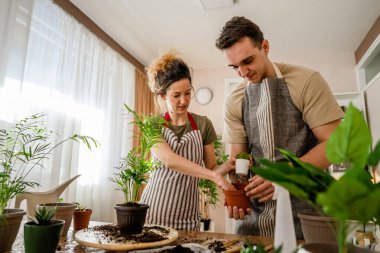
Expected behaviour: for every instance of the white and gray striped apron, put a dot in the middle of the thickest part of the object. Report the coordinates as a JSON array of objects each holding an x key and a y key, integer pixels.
[
  {"x": 173, "y": 197},
  {"x": 272, "y": 121}
]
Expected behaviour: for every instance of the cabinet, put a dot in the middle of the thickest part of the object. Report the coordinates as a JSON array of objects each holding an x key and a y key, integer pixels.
[{"x": 357, "y": 99}]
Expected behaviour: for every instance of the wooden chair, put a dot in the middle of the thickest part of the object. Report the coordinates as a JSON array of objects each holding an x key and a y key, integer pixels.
[{"x": 35, "y": 198}]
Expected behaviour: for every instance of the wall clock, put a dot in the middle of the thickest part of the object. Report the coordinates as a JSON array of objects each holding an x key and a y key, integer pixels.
[{"x": 203, "y": 95}]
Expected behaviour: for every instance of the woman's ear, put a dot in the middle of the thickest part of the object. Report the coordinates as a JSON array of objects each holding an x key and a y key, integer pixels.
[{"x": 163, "y": 96}]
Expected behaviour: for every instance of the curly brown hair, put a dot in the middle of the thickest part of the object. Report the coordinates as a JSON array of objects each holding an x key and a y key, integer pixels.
[
  {"x": 165, "y": 70},
  {"x": 237, "y": 28}
]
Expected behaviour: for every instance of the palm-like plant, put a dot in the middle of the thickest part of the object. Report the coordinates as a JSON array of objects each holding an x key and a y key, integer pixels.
[
  {"x": 135, "y": 166},
  {"x": 22, "y": 148}
]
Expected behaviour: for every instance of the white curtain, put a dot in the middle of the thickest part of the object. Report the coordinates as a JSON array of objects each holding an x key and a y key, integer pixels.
[{"x": 52, "y": 64}]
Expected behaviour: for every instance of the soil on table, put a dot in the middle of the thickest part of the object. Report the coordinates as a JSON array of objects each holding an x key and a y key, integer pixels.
[{"x": 111, "y": 234}]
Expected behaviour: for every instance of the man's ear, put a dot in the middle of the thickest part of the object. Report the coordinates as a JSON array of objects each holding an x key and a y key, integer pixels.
[{"x": 265, "y": 46}]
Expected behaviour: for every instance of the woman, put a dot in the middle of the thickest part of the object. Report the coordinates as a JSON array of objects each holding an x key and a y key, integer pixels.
[{"x": 172, "y": 191}]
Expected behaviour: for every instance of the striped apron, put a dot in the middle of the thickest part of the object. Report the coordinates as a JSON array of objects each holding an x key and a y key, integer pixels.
[
  {"x": 173, "y": 197},
  {"x": 272, "y": 121}
]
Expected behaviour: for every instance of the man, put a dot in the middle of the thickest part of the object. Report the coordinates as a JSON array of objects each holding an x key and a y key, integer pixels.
[{"x": 277, "y": 106}]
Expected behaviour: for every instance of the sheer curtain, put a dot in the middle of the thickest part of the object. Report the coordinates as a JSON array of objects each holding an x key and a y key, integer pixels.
[{"x": 56, "y": 66}]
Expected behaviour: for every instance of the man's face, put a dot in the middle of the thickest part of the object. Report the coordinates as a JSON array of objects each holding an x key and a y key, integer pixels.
[{"x": 248, "y": 60}]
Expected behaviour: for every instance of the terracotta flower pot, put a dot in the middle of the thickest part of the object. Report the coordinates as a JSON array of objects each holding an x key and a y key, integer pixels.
[
  {"x": 9, "y": 227},
  {"x": 131, "y": 218},
  {"x": 237, "y": 198},
  {"x": 82, "y": 219}
]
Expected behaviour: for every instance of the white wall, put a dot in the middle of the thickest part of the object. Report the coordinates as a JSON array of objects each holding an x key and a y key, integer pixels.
[{"x": 373, "y": 109}]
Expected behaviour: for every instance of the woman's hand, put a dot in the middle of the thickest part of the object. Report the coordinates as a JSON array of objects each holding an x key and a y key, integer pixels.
[
  {"x": 221, "y": 182},
  {"x": 225, "y": 167}
]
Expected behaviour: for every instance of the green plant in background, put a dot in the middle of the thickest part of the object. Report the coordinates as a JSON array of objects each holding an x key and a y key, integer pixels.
[
  {"x": 80, "y": 207},
  {"x": 209, "y": 196},
  {"x": 355, "y": 196},
  {"x": 137, "y": 164},
  {"x": 22, "y": 148},
  {"x": 220, "y": 154},
  {"x": 44, "y": 215},
  {"x": 208, "y": 189}
]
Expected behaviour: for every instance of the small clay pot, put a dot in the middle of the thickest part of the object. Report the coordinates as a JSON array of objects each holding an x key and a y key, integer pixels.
[
  {"x": 82, "y": 219},
  {"x": 237, "y": 198}
]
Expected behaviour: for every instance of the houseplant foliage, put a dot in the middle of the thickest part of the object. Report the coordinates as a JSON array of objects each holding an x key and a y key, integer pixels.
[
  {"x": 208, "y": 190},
  {"x": 355, "y": 196},
  {"x": 135, "y": 166},
  {"x": 43, "y": 234},
  {"x": 24, "y": 147}
]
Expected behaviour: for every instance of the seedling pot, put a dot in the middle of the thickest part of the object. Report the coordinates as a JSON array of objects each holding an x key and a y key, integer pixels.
[
  {"x": 64, "y": 212},
  {"x": 242, "y": 166}
]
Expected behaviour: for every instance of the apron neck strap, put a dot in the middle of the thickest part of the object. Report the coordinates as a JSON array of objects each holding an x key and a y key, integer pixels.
[{"x": 192, "y": 121}]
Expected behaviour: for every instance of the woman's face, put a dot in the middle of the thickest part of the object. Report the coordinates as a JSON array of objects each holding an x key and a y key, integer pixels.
[{"x": 178, "y": 96}]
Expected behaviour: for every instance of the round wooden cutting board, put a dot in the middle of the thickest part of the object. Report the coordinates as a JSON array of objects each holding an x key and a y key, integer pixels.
[{"x": 95, "y": 239}]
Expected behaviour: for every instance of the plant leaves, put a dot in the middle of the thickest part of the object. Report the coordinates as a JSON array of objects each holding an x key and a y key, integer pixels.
[
  {"x": 351, "y": 140},
  {"x": 374, "y": 157}
]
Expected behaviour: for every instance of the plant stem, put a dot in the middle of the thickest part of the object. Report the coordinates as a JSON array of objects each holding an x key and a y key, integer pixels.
[{"x": 342, "y": 236}]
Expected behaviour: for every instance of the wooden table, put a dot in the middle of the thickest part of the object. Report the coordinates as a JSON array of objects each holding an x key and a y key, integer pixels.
[{"x": 69, "y": 245}]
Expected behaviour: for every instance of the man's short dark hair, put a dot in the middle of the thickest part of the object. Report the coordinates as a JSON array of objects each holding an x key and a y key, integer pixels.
[{"x": 237, "y": 28}]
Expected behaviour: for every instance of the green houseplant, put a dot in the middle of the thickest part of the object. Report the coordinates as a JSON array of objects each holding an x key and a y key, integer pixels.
[
  {"x": 208, "y": 190},
  {"x": 355, "y": 196},
  {"x": 23, "y": 147},
  {"x": 208, "y": 198},
  {"x": 133, "y": 169},
  {"x": 43, "y": 234}
]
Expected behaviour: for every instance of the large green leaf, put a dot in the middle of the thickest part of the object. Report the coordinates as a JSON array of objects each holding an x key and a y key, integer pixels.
[
  {"x": 301, "y": 179},
  {"x": 338, "y": 200},
  {"x": 374, "y": 157},
  {"x": 351, "y": 140}
]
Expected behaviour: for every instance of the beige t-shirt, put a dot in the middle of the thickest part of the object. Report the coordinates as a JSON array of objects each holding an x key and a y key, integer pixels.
[
  {"x": 204, "y": 124},
  {"x": 310, "y": 94}
]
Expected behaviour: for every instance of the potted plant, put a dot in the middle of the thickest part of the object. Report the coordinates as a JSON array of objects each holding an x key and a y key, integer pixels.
[
  {"x": 82, "y": 216},
  {"x": 243, "y": 159},
  {"x": 355, "y": 196},
  {"x": 132, "y": 172},
  {"x": 23, "y": 147},
  {"x": 43, "y": 234},
  {"x": 207, "y": 189},
  {"x": 208, "y": 198},
  {"x": 239, "y": 179}
]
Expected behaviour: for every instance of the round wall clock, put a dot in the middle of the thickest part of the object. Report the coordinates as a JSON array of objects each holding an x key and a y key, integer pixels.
[{"x": 203, "y": 95}]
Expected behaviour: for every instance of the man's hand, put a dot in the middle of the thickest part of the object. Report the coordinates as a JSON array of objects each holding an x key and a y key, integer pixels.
[
  {"x": 238, "y": 213},
  {"x": 260, "y": 189}
]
